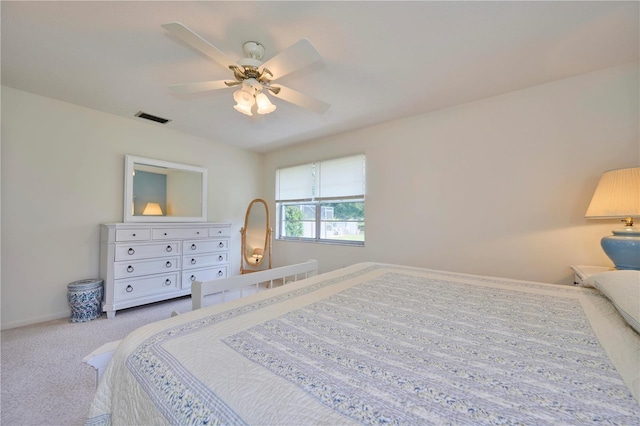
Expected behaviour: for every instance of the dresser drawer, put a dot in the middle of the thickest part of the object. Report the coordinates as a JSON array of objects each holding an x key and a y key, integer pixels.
[
  {"x": 220, "y": 232},
  {"x": 220, "y": 258},
  {"x": 133, "y": 288},
  {"x": 207, "y": 274},
  {"x": 201, "y": 260},
  {"x": 145, "y": 267},
  {"x": 133, "y": 234},
  {"x": 179, "y": 233},
  {"x": 194, "y": 247},
  {"x": 142, "y": 251}
]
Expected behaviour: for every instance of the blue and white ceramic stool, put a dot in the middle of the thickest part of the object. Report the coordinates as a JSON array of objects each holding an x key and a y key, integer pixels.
[{"x": 85, "y": 297}]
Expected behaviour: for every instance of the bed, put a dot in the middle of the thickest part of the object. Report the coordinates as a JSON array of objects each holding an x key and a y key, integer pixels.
[{"x": 382, "y": 344}]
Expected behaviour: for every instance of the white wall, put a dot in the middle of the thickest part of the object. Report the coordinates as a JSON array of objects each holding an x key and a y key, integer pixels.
[
  {"x": 63, "y": 175},
  {"x": 496, "y": 187}
]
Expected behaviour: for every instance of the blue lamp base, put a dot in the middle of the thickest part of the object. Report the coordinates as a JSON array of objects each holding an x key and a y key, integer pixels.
[{"x": 623, "y": 247}]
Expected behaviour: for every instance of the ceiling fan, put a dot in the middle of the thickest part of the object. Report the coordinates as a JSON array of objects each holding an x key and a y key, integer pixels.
[{"x": 253, "y": 77}]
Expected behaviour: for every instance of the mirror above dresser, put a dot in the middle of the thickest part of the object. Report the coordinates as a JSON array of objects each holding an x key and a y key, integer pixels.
[{"x": 163, "y": 191}]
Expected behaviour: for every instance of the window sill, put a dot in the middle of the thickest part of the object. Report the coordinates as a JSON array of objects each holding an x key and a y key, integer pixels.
[{"x": 327, "y": 242}]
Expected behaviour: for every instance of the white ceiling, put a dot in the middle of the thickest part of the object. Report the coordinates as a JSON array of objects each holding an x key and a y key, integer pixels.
[{"x": 381, "y": 60}]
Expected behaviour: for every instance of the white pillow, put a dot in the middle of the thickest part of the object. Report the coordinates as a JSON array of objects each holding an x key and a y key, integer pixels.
[{"x": 622, "y": 288}]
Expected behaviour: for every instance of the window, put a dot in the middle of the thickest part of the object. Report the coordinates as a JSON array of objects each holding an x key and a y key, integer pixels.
[{"x": 322, "y": 202}]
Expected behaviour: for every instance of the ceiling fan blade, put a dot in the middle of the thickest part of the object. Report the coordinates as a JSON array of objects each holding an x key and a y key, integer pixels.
[
  {"x": 202, "y": 86},
  {"x": 300, "y": 99},
  {"x": 198, "y": 43},
  {"x": 293, "y": 58}
]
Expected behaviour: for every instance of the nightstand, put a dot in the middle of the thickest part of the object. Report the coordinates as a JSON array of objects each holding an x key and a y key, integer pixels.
[{"x": 581, "y": 272}]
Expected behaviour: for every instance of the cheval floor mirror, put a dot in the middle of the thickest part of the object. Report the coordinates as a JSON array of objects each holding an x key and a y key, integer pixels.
[{"x": 256, "y": 238}]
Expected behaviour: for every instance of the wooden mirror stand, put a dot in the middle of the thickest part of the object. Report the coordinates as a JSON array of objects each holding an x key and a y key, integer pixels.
[{"x": 256, "y": 238}]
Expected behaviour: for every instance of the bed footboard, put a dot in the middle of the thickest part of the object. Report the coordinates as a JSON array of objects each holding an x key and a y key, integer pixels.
[{"x": 200, "y": 289}]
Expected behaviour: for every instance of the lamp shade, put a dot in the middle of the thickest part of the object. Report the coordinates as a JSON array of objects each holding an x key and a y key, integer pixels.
[
  {"x": 617, "y": 195},
  {"x": 243, "y": 109},
  {"x": 243, "y": 97},
  {"x": 257, "y": 253},
  {"x": 244, "y": 101},
  {"x": 152, "y": 209},
  {"x": 264, "y": 104}
]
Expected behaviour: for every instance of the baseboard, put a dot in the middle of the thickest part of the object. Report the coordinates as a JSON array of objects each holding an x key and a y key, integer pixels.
[{"x": 37, "y": 320}]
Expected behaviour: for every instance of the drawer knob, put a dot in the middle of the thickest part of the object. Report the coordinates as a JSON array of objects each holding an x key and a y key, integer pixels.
[
  {"x": 129, "y": 289},
  {"x": 169, "y": 248},
  {"x": 221, "y": 244},
  {"x": 192, "y": 278},
  {"x": 134, "y": 235},
  {"x": 167, "y": 282},
  {"x": 168, "y": 264},
  {"x": 197, "y": 232},
  {"x": 131, "y": 251},
  {"x": 220, "y": 273},
  {"x": 165, "y": 233},
  {"x": 220, "y": 258},
  {"x": 193, "y": 261},
  {"x": 220, "y": 232},
  {"x": 129, "y": 268},
  {"x": 193, "y": 247}
]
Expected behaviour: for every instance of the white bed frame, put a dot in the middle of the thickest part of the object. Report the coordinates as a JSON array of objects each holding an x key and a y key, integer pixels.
[
  {"x": 285, "y": 274},
  {"x": 99, "y": 358}
]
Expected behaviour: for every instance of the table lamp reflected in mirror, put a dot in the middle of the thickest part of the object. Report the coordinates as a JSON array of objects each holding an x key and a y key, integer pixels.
[
  {"x": 257, "y": 254},
  {"x": 152, "y": 209}
]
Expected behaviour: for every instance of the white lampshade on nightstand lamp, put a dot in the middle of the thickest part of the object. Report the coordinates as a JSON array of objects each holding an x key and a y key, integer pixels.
[
  {"x": 618, "y": 196},
  {"x": 152, "y": 209}
]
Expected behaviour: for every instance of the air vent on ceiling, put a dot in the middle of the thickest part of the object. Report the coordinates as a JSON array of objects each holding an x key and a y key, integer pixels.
[{"x": 152, "y": 117}]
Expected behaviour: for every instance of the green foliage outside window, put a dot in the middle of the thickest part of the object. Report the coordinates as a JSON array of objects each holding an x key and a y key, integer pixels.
[
  {"x": 293, "y": 216},
  {"x": 347, "y": 211}
]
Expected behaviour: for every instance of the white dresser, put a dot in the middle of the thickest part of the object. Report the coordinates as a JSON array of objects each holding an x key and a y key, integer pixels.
[{"x": 146, "y": 262}]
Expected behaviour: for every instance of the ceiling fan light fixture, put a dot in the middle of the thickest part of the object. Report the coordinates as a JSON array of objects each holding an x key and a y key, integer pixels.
[
  {"x": 243, "y": 109},
  {"x": 264, "y": 104},
  {"x": 244, "y": 101},
  {"x": 243, "y": 97}
]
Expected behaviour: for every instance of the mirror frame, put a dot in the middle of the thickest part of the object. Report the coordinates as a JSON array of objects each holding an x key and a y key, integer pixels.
[
  {"x": 131, "y": 161},
  {"x": 267, "y": 241}
]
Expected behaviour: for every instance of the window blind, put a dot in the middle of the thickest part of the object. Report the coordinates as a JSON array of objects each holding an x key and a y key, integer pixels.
[
  {"x": 340, "y": 178},
  {"x": 295, "y": 183}
]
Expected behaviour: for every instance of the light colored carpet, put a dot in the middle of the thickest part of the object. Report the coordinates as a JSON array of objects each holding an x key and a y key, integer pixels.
[{"x": 43, "y": 378}]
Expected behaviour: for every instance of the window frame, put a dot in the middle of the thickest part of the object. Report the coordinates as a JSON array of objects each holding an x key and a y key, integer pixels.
[
  {"x": 310, "y": 197},
  {"x": 317, "y": 221}
]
